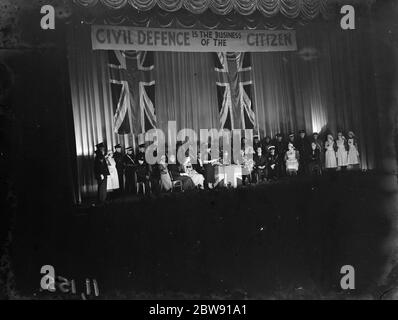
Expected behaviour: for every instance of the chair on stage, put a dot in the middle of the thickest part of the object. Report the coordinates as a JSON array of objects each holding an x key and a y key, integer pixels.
[
  {"x": 145, "y": 186},
  {"x": 176, "y": 184}
]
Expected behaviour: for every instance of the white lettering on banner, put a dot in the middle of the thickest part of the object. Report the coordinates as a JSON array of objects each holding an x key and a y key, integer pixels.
[{"x": 155, "y": 39}]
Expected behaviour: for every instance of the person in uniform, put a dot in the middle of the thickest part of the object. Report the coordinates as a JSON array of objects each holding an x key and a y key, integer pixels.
[
  {"x": 118, "y": 157},
  {"x": 272, "y": 161},
  {"x": 101, "y": 172},
  {"x": 266, "y": 144},
  {"x": 260, "y": 165},
  {"x": 129, "y": 165},
  {"x": 292, "y": 140}
]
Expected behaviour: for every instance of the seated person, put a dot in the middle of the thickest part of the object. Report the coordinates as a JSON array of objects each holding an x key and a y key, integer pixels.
[
  {"x": 199, "y": 166},
  {"x": 314, "y": 160},
  {"x": 165, "y": 178},
  {"x": 175, "y": 172},
  {"x": 292, "y": 160},
  {"x": 142, "y": 172},
  {"x": 260, "y": 164},
  {"x": 272, "y": 164},
  {"x": 189, "y": 171}
]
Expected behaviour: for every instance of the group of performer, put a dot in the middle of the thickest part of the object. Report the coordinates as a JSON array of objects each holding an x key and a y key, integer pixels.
[{"x": 265, "y": 160}]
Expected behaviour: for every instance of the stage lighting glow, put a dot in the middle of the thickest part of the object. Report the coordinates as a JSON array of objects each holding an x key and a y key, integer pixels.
[{"x": 319, "y": 119}]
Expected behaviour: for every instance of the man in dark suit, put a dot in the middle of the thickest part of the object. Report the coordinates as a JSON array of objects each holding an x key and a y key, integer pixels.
[
  {"x": 314, "y": 160},
  {"x": 260, "y": 162},
  {"x": 101, "y": 172},
  {"x": 304, "y": 148},
  {"x": 129, "y": 164},
  {"x": 143, "y": 173},
  {"x": 280, "y": 150},
  {"x": 118, "y": 157}
]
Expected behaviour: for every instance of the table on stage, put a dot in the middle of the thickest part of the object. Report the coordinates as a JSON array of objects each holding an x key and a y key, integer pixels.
[{"x": 229, "y": 174}]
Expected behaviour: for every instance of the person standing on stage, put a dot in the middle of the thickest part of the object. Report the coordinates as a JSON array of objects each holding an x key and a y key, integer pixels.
[
  {"x": 141, "y": 152},
  {"x": 304, "y": 148},
  {"x": 101, "y": 172},
  {"x": 272, "y": 164},
  {"x": 353, "y": 153},
  {"x": 280, "y": 151},
  {"x": 129, "y": 165},
  {"x": 266, "y": 144},
  {"x": 260, "y": 165},
  {"x": 292, "y": 140},
  {"x": 118, "y": 157},
  {"x": 113, "y": 179},
  {"x": 256, "y": 142},
  {"x": 319, "y": 146},
  {"x": 342, "y": 153},
  {"x": 314, "y": 160},
  {"x": 330, "y": 153},
  {"x": 209, "y": 171}
]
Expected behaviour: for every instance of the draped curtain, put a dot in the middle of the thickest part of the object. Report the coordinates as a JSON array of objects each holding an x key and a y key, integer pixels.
[
  {"x": 327, "y": 85},
  {"x": 309, "y": 9}
]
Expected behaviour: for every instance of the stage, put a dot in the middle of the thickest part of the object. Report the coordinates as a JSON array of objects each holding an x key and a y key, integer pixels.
[
  {"x": 62, "y": 94},
  {"x": 286, "y": 239}
]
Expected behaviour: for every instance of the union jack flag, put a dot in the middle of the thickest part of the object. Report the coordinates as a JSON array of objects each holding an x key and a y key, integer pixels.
[
  {"x": 133, "y": 91},
  {"x": 234, "y": 89}
]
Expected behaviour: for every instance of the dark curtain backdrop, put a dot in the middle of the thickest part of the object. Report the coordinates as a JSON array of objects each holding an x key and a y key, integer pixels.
[{"x": 327, "y": 85}]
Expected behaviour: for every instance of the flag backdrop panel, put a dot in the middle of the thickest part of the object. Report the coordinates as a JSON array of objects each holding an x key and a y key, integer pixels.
[{"x": 325, "y": 85}]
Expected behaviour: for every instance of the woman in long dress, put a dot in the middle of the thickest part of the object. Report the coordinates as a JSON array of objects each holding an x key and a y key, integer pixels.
[
  {"x": 353, "y": 153},
  {"x": 330, "y": 153},
  {"x": 292, "y": 157},
  {"x": 165, "y": 179},
  {"x": 113, "y": 178},
  {"x": 198, "y": 179},
  {"x": 341, "y": 153},
  {"x": 175, "y": 172}
]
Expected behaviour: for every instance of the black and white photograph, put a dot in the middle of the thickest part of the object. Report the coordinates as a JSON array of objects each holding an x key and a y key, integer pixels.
[{"x": 207, "y": 153}]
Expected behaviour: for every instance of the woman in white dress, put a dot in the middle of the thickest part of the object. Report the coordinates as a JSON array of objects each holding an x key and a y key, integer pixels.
[
  {"x": 341, "y": 154},
  {"x": 113, "y": 178},
  {"x": 165, "y": 179},
  {"x": 330, "y": 153},
  {"x": 353, "y": 153},
  {"x": 292, "y": 157},
  {"x": 198, "y": 179}
]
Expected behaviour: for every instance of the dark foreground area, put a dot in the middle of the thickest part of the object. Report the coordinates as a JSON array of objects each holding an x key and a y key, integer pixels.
[{"x": 287, "y": 239}]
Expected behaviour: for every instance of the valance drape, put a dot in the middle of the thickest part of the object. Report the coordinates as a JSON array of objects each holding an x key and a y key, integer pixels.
[
  {"x": 158, "y": 18},
  {"x": 307, "y": 9}
]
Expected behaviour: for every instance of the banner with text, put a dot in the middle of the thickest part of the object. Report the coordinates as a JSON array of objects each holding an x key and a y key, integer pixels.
[{"x": 183, "y": 40}]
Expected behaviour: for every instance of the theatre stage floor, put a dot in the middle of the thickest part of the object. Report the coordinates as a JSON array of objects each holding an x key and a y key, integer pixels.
[{"x": 287, "y": 239}]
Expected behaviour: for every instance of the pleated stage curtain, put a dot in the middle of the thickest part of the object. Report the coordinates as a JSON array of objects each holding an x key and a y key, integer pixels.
[{"x": 326, "y": 86}]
